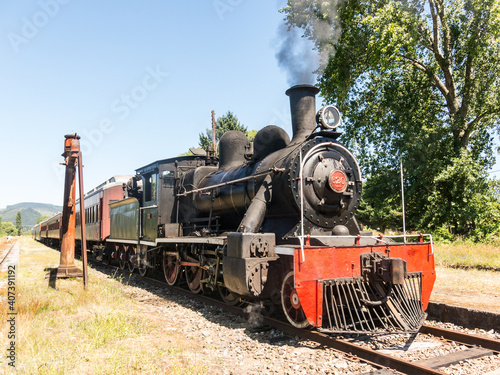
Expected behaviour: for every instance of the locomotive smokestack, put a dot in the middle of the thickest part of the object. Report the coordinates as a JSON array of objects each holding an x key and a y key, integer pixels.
[{"x": 303, "y": 108}]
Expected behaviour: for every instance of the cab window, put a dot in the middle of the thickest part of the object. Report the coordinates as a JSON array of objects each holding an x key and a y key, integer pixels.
[{"x": 151, "y": 187}]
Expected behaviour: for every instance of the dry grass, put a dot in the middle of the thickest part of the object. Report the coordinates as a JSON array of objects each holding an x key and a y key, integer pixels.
[
  {"x": 477, "y": 289},
  {"x": 468, "y": 255},
  {"x": 101, "y": 331},
  {"x": 467, "y": 275}
]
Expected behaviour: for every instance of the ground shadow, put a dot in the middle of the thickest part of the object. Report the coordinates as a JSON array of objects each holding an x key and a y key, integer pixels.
[{"x": 52, "y": 276}]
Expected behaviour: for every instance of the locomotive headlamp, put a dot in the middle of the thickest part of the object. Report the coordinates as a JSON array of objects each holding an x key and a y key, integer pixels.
[{"x": 328, "y": 117}]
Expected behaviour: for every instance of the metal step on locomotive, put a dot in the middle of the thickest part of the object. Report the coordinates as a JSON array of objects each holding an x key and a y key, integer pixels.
[{"x": 270, "y": 221}]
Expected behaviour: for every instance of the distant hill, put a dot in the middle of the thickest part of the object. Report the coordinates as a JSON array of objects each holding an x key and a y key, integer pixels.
[{"x": 30, "y": 211}]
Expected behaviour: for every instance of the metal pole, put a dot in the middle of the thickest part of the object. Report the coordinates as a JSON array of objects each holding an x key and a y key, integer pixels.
[
  {"x": 403, "y": 199},
  {"x": 213, "y": 132},
  {"x": 82, "y": 221}
]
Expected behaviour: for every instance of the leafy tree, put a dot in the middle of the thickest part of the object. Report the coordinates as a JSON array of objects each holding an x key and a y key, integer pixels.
[
  {"x": 7, "y": 228},
  {"x": 223, "y": 124},
  {"x": 19, "y": 223},
  {"x": 251, "y": 134},
  {"x": 417, "y": 81},
  {"x": 462, "y": 198},
  {"x": 455, "y": 44}
]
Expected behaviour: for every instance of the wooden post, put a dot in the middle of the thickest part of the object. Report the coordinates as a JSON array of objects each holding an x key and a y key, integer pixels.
[{"x": 67, "y": 266}]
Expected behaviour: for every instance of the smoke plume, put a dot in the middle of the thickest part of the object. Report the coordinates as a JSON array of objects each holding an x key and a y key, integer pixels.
[
  {"x": 304, "y": 52},
  {"x": 296, "y": 55}
]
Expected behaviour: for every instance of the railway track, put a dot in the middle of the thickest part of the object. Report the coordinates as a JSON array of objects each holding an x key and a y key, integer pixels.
[
  {"x": 386, "y": 363},
  {"x": 7, "y": 253}
]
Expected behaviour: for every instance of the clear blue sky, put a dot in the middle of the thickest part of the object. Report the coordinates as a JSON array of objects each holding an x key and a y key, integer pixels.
[{"x": 137, "y": 80}]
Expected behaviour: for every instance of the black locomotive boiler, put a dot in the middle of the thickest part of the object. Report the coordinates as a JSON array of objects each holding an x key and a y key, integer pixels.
[{"x": 273, "y": 222}]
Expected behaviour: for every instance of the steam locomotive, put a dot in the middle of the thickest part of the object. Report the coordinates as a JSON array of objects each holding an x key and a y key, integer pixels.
[{"x": 269, "y": 221}]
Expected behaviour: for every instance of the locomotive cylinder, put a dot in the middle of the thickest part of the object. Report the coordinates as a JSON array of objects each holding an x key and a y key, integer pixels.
[{"x": 256, "y": 212}]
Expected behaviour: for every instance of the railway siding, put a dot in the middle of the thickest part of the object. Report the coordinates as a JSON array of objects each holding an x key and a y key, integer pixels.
[
  {"x": 198, "y": 338},
  {"x": 417, "y": 349}
]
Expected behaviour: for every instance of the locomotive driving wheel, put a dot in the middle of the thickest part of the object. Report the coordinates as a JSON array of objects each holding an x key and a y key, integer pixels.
[
  {"x": 142, "y": 266},
  {"x": 194, "y": 275},
  {"x": 291, "y": 304},
  {"x": 171, "y": 268},
  {"x": 143, "y": 269},
  {"x": 229, "y": 297},
  {"x": 131, "y": 258},
  {"x": 122, "y": 258}
]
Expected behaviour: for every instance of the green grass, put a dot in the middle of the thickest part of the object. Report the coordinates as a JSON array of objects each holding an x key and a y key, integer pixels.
[
  {"x": 102, "y": 329},
  {"x": 462, "y": 254}
]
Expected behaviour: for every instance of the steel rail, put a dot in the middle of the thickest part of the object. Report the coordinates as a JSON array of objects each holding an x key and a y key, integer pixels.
[
  {"x": 366, "y": 355},
  {"x": 369, "y": 356},
  {"x": 320, "y": 338},
  {"x": 462, "y": 338},
  {"x": 8, "y": 252}
]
